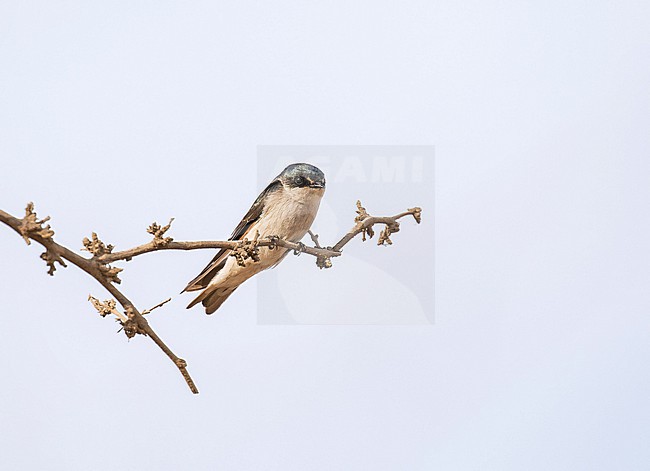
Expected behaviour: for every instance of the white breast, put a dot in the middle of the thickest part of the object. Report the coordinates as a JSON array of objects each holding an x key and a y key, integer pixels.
[{"x": 289, "y": 213}]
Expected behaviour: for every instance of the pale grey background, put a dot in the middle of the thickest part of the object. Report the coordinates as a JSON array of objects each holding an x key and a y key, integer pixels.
[{"x": 118, "y": 113}]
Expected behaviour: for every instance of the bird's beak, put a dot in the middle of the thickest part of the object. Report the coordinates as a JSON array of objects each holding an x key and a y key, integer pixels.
[{"x": 316, "y": 185}]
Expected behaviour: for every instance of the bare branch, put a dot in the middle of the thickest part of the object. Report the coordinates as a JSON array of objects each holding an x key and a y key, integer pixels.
[
  {"x": 133, "y": 321},
  {"x": 364, "y": 223},
  {"x": 208, "y": 244}
]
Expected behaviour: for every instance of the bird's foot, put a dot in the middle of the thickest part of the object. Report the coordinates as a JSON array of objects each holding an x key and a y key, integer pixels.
[
  {"x": 301, "y": 248},
  {"x": 274, "y": 240}
]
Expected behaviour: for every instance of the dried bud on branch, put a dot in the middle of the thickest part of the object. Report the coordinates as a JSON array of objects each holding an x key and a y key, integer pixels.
[
  {"x": 107, "y": 307},
  {"x": 132, "y": 325},
  {"x": 96, "y": 246},
  {"x": 110, "y": 273},
  {"x": 323, "y": 262},
  {"x": 362, "y": 215},
  {"x": 158, "y": 233},
  {"x": 246, "y": 249},
  {"x": 50, "y": 258},
  {"x": 31, "y": 225},
  {"x": 384, "y": 237},
  {"x": 99, "y": 249}
]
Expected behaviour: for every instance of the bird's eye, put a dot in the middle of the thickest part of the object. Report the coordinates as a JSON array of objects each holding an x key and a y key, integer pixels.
[{"x": 299, "y": 181}]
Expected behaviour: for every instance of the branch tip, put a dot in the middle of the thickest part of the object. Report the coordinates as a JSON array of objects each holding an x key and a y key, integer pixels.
[{"x": 417, "y": 214}]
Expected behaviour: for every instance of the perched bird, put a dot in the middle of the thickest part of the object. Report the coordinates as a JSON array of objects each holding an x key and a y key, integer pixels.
[{"x": 286, "y": 209}]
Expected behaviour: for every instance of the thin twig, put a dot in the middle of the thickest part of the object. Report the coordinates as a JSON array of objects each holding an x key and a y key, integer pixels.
[
  {"x": 147, "y": 311},
  {"x": 314, "y": 239}
]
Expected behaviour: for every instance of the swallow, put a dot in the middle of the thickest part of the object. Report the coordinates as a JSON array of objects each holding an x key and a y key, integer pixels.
[{"x": 286, "y": 208}]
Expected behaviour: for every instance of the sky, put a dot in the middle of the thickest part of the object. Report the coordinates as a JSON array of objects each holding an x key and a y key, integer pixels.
[{"x": 509, "y": 331}]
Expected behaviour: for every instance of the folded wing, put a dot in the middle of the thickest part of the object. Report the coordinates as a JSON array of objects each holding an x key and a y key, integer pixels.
[{"x": 218, "y": 262}]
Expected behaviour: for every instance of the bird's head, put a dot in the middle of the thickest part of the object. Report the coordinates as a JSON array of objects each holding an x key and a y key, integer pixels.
[{"x": 302, "y": 176}]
